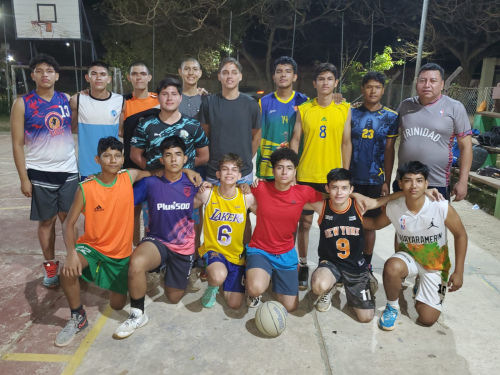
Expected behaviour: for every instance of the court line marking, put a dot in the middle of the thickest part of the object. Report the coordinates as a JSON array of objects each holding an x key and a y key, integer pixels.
[
  {"x": 31, "y": 357},
  {"x": 87, "y": 342},
  {"x": 14, "y": 208}
]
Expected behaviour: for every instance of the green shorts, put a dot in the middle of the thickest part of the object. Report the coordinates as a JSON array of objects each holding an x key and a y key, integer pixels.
[{"x": 105, "y": 272}]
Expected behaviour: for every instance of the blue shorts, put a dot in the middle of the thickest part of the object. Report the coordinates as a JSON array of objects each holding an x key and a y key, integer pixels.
[
  {"x": 283, "y": 269},
  {"x": 235, "y": 279},
  {"x": 196, "y": 215},
  {"x": 444, "y": 190},
  {"x": 248, "y": 179}
]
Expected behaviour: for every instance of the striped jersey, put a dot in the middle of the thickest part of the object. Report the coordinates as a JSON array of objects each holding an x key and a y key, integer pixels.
[
  {"x": 224, "y": 226},
  {"x": 278, "y": 121},
  {"x": 50, "y": 146},
  {"x": 97, "y": 118},
  {"x": 322, "y": 128}
]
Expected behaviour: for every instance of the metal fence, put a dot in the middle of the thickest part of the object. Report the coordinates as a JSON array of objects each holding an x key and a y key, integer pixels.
[{"x": 472, "y": 98}]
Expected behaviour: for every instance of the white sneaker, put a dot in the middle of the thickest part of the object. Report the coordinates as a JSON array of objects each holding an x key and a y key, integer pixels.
[
  {"x": 324, "y": 302},
  {"x": 253, "y": 302},
  {"x": 194, "y": 281},
  {"x": 135, "y": 320},
  {"x": 152, "y": 279}
]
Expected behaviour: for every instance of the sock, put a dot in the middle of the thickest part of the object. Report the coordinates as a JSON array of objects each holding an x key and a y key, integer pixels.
[
  {"x": 394, "y": 304},
  {"x": 79, "y": 310},
  {"x": 368, "y": 258},
  {"x": 138, "y": 303},
  {"x": 303, "y": 261}
]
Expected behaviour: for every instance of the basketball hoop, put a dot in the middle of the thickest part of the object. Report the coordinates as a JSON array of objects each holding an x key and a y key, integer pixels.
[{"x": 37, "y": 25}]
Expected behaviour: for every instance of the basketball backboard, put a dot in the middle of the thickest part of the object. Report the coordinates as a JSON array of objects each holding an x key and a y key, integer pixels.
[{"x": 47, "y": 19}]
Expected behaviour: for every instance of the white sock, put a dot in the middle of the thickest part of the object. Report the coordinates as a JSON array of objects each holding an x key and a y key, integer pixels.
[
  {"x": 303, "y": 260},
  {"x": 52, "y": 260},
  {"x": 394, "y": 304}
]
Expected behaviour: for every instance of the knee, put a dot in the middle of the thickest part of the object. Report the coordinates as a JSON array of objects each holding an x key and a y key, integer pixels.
[
  {"x": 254, "y": 288},
  {"x": 426, "y": 321},
  {"x": 117, "y": 305},
  {"x": 216, "y": 278},
  {"x": 366, "y": 316},
  {"x": 319, "y": 286},
  {"x": 173, "y": 299},
  {"x": 290, "y": 306},
  {"x": 393, "y": 267},
  {"x": 48, "y": 223},
  {"x": 136, "y": 267},
  {"x": 235, "y": 305}
]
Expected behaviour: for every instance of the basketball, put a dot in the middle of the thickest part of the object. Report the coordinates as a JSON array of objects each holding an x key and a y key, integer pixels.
[{"x": 271, "y": 318}]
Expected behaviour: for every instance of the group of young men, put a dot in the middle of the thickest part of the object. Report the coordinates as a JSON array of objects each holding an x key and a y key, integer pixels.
[{"x": 313, "y": 155}]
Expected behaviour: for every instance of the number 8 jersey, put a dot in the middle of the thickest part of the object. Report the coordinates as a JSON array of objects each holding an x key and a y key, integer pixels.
[
  {"x": 224, "y": 226},
  {"x": 341, "y": 238}
]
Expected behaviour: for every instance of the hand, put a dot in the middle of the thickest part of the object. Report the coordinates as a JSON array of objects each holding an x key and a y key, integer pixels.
[
  {"x": 26, "y": 187},
  {"x": 202, "y": 91},
  {"x": 193, "y": 176},
  {"x": 205, "y": 185},
  {"x": 256, "y": 182},
  {"x": 456, "y": 281},
  {"x": 90, "y": 177},
  {"x": 245, "y": 189},
  {"x": 85, "y": 92},
  {"x": 434, "y": 195},
  {"x": 459, "y": 191},
  {"x": 364, "y": 203},
  {"x": 73, "y": 267},
  {"x": 158, "y": 173},
  {"x": 337, "y": 98},
  {"x": 356, "y": 105},
  {"x": 385, "y": 189}
]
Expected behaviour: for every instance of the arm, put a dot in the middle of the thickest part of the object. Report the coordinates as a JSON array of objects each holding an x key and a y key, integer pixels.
[
  {"x": 17, "y": 134},
  {"x": 346, "y": 143},
  {"x": 375, "y": 223},
  {"x": 73, "y": 103},
  {"x": 256, "y": 138},
  {"x": 249, "y": 200},
  {"x": 465, "y": 161},
  {"x": 73, "y": 266},
  {"x": 316, "y": 206},
  {"x": 122, "y": 118},
  {"x": 202, "y": 156},
  {"x": 137, "y": 156},
  {"x": 454, "y": 224},
  {"x": 201, "y": 198},
  {"x": 137, "y": 174},
  {"x": 297, "y": 133},
  {"x": 388, "y": 164}
]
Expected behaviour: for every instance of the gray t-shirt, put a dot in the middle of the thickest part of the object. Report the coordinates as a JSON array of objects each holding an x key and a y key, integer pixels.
[
  {"x": 231, "y": 123},
  {"x": 190, "y": 106},
  {"x": 427, "y": 133}
]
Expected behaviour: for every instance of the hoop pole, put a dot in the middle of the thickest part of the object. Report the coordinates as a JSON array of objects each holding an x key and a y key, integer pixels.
[
  {"x": 76, "y": 72},
  {"x": 154, "y": 27},
  {"x": 81, "y": 64},
  {"x": 230, "y": 30},
  {"x": 341, "y": 55},
  {"x": 6, "y": 58},
  {"x": 293, "y": 37},
  {"x": 371, "y": 46}
]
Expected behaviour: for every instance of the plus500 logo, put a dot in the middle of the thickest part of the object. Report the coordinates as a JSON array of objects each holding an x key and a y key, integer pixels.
[{"x": 173, "y": 206}]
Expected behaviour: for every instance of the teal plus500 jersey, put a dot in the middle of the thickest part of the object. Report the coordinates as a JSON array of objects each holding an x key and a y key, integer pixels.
[{"x": 278, "y": 121}]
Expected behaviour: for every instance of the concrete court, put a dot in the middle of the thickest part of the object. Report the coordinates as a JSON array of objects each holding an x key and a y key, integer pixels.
[{"x": 186, "y": 338}]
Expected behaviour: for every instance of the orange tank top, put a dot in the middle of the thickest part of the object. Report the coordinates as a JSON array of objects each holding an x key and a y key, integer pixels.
[{"x": 109, "y": 215}]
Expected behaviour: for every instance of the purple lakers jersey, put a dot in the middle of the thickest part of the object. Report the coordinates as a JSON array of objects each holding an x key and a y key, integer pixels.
[
  {"x": 47, "y": 134},
  {"x": 170, "y": 209}
]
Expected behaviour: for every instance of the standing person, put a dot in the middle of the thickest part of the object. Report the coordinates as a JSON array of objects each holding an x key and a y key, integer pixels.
[
  {"x": 421, "y": 231},
  {"x": 374, "y": 129},
  {"x": 279, "y": 111},
  {"x": 41, "y": 121},
  {"x": 326, "y": 128},
  {"x": 95, "y": 116},
  {"x": 139, "y": 104},
  {"x": 428, "y": 123}
]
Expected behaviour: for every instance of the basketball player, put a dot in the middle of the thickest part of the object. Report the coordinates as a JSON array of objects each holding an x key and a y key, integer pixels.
[
  {"x": 326, "y": 128},
  {"x": 421, "y": 230},
  {"x": 102, "y": 254},
  {"x": 41, "y": 121},
  {"x": 223, "y": 229},
  {"x": 170, "y": 240},
  {"x": 95, "y": 116}
]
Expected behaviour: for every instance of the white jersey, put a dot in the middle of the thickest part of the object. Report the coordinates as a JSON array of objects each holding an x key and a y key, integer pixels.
[{"x": 422, "y": 235}]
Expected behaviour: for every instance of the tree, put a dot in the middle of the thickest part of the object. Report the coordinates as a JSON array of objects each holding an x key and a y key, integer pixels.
[{"x": 469, "y": 29}]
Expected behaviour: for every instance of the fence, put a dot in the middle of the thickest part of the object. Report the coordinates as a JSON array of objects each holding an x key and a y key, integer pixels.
[{"x": 472, "y": 98}]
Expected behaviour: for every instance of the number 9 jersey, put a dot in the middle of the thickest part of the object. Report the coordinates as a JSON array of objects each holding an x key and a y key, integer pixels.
[
  {"x": 341, "y": 238},
  {"x": 224, "y": 226}
]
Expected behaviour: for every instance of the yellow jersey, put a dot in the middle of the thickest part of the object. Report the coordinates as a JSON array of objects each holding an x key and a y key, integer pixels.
[
  {"x": 322, "y": 129},
  {"x": 224, "y": 226}
]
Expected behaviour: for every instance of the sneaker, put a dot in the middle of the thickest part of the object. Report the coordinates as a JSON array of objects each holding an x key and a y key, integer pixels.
[
  {"x": 303, "y": 277},
  {"x": 373, "y": 281},
  {"x": 416, "y": 286},
  {"x": 388, "y": 318},
  {"x": 203, "y": 275},
  {"x": 325, "y": 301},
  {"x": 76, "y": 324},
  {"x": 253, "y": 302},
  {"x": 152, "y": 279},
  {"x": 194, "y": 281},
  {"x": 135, "y": 320},
  {"x": 51, "y": 278},
  {"x": 209, "y": 297}
]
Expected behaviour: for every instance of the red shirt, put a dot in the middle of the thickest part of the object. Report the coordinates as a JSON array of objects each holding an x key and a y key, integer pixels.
[{"x": 278, "y": 213}]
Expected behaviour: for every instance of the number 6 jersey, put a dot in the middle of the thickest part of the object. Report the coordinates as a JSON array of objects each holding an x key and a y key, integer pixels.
[
  {"x": 224, "y": 226},
  {"x": 341, "y": 239}
]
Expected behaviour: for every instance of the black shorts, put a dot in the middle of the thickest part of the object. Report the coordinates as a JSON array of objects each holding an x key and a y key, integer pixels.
[
  {"x": 177, "y": 266},
  {"x": 357, "y": 286},
  {"x": 315, "y": 186},
  {"x": 370, "y": 191}
]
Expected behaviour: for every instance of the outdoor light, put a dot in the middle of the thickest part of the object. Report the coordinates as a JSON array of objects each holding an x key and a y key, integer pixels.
[
  {"x": 10, "y": 58},
  {"x": 67, "y": 44},
  {"x": 260, "y": 92}
]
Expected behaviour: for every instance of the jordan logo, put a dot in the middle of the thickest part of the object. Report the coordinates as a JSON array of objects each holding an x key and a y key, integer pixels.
[
  {"x": 432, "y": 224},
  {"x": 98, "y": 208}
]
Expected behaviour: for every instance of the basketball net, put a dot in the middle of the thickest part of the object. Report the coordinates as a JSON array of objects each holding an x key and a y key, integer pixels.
[{"x": 37, "y": 26}]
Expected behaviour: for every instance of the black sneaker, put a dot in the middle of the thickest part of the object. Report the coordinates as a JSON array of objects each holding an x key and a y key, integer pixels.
[{"x": 303, "y": 277}]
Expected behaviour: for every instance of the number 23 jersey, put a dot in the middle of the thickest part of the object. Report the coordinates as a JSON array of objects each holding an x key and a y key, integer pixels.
[
  {"x": 224, "y": 226},
  {"x": 341, "y": 238}
]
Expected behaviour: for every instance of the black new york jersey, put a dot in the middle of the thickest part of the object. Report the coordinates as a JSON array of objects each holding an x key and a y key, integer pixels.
[{"x": 341, "y": 238}]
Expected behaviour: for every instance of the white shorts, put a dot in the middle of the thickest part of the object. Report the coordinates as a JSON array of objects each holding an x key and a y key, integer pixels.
[{"x": 432, "y": 288}]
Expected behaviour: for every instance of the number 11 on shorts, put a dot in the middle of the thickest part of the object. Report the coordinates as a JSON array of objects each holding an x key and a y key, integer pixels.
[{"x": 366, "y": 295}]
